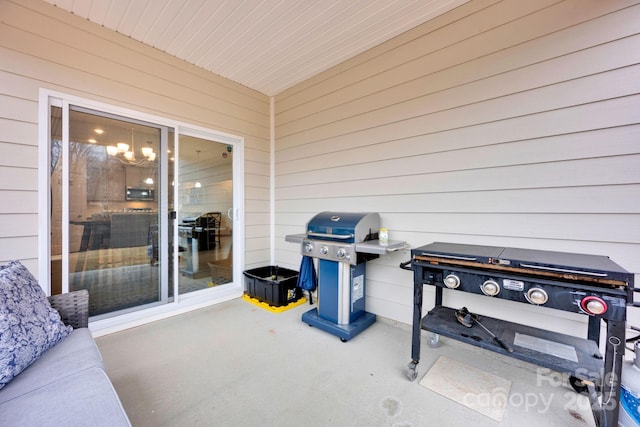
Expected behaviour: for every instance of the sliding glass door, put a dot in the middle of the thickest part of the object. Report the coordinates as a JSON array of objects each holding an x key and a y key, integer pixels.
[
  {"x": 138, "y": 212},
  {"x": 205, "y": 206},
  {"x": 106, "y": 221}
]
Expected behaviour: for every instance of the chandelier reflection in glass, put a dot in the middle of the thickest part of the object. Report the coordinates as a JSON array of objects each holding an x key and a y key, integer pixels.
[{"x": 121, "y": 152}]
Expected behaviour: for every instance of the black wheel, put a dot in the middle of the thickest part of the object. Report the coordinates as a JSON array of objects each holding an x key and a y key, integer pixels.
[
  {"x": 579, "y": 385},
  {"x": 343, "y": 339},
  {"x": 434, "y": 340},
  {"x": 412, "y": 372}
]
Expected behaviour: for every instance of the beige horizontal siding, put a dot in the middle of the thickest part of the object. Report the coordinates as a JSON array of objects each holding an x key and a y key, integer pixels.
[
  {"x": 17, "y": 225},
  {"x": 18, "y": 155},
  {"x": 16, "y": 178},
  {"x": 422, "y": 133},
  {"x": 423, "y": 116},
  {"x": 444, "y": 147},
  {"x": 443, "y": 31},
  {"x": 18, "y": 132},
  {"x": 467, "y": 49},
  {"x": 611, "y": 200},
  {"x": 590, "y": 172},
  {"x": 19, "y": 247},
  {"x": 157, "y": 102},
  {"x": 500, "y": 123},
  {"x": 19, "y": 202},
  {"x": 42, "y": 46}
]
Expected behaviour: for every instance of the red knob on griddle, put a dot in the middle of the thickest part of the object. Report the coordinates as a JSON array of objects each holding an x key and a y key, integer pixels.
[{"x": 593, "y": 305}]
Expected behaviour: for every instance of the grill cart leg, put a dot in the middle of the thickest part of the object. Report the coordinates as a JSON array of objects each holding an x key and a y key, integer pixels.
[
  {"x": 607, "y": 413},
  {"x": 412, "y": 372},
  {"x": 593, "y": 331}
]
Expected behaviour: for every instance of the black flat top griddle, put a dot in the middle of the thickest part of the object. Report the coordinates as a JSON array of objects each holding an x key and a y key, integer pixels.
[{"x": 593, "y": 268}]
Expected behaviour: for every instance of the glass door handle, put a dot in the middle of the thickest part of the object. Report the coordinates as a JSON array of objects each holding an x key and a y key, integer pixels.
[{"x": 230, "y": 213}]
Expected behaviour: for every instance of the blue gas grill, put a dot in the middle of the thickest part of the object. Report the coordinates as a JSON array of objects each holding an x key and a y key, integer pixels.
[{"x": 342, "y": 243}]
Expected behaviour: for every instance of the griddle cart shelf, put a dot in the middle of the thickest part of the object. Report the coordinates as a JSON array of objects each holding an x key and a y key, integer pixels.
[
  {"x": 590, "y": 365},
  {"x": 577, "y": 357}
]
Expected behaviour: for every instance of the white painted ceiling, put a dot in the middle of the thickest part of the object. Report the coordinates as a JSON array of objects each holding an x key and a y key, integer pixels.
[{"x": 267, "y": 45}]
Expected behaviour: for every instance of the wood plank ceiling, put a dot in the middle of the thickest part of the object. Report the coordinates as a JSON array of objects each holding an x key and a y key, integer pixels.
[{"x": 267, "y": 45}]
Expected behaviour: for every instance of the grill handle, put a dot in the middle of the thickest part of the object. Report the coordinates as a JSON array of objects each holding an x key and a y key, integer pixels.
[
  {"x": 562, "y": 270},
  {"x": 330, "y": 236},
  {"x": 406, "y": 265},
  {"x": 458, "y": 257}
]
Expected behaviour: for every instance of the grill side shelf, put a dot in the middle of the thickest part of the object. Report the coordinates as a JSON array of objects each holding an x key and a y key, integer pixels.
[
  {"x": 375, "y": 247},
  {"x": 587, "y": 366},
  {"x": 294, "y": 238}
]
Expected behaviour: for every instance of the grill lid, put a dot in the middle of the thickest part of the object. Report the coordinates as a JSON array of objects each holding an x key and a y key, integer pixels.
[{"x": 345, "y": 227}]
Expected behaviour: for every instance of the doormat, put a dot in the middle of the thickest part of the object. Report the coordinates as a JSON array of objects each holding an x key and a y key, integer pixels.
[
  {"x": 477, "y": 390},
  {"x": 271, "y": 308}
]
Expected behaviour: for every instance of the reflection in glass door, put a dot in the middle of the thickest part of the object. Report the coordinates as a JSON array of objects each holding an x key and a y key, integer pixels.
[
  {"x": 205, "y": 204},
  {"x": 112, "y": 214}
]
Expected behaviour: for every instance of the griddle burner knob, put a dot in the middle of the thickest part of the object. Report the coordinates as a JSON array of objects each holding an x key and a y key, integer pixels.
[
  {"x": 308, "y": 248},
  {"x": 593, "y": 305},
  {"x": 341, "y": 253},
  {"x": 537, "y": 296},
  {"x": 490, "y": 288},
  {"x": 452, "y": 281},
  {"x": 324, "y": 250}
]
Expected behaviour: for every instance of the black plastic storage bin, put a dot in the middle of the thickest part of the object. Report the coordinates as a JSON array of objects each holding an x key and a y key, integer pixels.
[{"x": 274, "y": 285}]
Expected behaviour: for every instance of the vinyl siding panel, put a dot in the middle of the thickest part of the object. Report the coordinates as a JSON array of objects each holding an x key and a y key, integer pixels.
[
  {"x": 426, "y": 134},
  {"x": 18, "y": 156},
  {"x": 511, "y": 123},
  {"x": 467, "y": 46},
  {"x": 42, "y": 46}
]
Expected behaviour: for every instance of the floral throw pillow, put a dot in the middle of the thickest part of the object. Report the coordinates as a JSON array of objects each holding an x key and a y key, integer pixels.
[{"x": 29, "y": 326}]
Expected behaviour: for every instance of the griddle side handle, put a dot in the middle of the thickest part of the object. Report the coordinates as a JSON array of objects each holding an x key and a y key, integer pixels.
[{"x": 406, "y": 265}]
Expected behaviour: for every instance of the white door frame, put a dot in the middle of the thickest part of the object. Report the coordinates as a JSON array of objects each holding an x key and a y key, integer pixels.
[{"x": 181, "y": 303}]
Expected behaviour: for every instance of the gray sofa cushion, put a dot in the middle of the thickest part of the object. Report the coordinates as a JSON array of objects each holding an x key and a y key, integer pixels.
[
  {"x": 83, "y": 399},
  {"x": 29, "y": 326},
  {"x": 75, "y": 353}
]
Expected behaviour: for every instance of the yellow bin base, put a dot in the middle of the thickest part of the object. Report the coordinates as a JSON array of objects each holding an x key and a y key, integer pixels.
[{"x": 273, "y": 309}]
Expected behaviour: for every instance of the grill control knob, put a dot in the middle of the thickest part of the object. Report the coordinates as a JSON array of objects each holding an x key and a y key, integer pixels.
[
  {"x": 537, "y": 296},
  {"x": 308, "y": 248},
  {"x": 340, "y": 253},
  {"x": 451, "y": 281},
  {"x": 324, "y": 250},
  {"x": 593, "y": 305},
  {"x": 490, "y": 288}
]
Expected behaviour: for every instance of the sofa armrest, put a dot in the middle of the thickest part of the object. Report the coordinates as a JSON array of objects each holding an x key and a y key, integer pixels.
[{"x": 73, "y": 307}]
